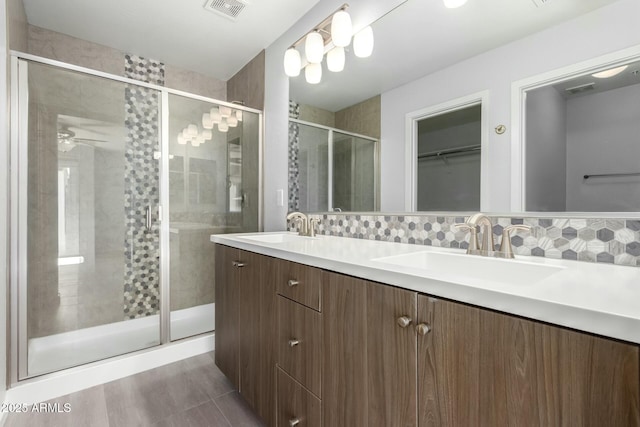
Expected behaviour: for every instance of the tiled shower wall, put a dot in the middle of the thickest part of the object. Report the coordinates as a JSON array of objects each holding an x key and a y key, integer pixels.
[
  {"x": 611, "y": 240},
  {"x": 294, "y": 166},
  {"x": 142, "y": 188}
]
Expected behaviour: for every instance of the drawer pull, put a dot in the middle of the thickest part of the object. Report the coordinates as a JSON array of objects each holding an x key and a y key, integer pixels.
[
  {"x": 423, "y": 329},
  {"x": 238, "y": 264},
  {"x": 293, "y": 343},
  {"x": 293, "y": 283},
  {"x": 404, "y": 321},
  {"x": 294, "y": 422}
]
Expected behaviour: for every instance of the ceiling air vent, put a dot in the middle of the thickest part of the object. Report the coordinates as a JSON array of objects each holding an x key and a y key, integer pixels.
[
  {"x": 580, "y": 89},
  {"x": 228, "y": 8},
  {"x": 540, "y": 3}
]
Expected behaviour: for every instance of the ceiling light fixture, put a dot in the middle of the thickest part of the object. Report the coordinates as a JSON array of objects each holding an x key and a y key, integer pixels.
[
  {"x": 330, "y": 36},
  {"x": 452, "y": 4},
  {"x": 609, "y": 73}
]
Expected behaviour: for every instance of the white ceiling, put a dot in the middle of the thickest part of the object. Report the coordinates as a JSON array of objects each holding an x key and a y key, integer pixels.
[
  {"x": 422, "y": 36},
  {"x": 177, "y": 32}
]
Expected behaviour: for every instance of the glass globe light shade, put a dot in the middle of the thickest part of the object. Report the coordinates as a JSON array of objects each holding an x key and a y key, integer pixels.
[
  {"x": 313, "y": 73},
  {"x": 314, "y": 47},
  {"x": 207, "y": 122},
  {"x": 341, "y": 29},
  {"x": 363, "y": 43},
  {"x": 335, "y": 59},
  {"x": 215, "y": 115},
  {"x": 292, "y": 62},
  {"x": 225, "y": 111}
]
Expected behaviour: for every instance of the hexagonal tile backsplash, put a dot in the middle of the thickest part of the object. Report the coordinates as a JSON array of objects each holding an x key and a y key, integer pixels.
[{"x": 611, "y": 240}]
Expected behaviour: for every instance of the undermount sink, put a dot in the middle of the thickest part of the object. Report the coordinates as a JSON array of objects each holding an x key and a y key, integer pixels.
[
  {"x": 508, "y": 271},
  {"x": 277, "y": 238}
]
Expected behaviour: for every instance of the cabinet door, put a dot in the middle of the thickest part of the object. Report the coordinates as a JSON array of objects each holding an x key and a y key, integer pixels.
[
  {"x": 257, "y": 309},
  {"x": 483, "y": 368},
  {"x": 297, "y": 406},
  {"x": 369, "y": 372},
  {"x": 227, "y": 315}
]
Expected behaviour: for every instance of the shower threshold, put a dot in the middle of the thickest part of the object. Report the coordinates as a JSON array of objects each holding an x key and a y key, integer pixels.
[{"x": 74, "y": 348}]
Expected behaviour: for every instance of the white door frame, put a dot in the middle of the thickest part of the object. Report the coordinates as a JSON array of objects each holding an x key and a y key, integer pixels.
[
  {"x": 519, "y": 90},
  {"x": 411, "y": 144}
]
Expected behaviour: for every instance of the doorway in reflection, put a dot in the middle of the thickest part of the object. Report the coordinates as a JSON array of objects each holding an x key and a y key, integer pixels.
[{"x": 448, "y": 159}]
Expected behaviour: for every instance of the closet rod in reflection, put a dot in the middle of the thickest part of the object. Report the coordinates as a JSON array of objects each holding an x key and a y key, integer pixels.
[
  {"x": 450, "y": 151},
  {"x": 603, "y": 175}
]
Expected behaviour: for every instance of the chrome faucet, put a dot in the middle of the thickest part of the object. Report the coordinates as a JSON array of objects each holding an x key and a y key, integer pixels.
[
  {"x": 306, "y": 225},
  {"x": 486, "y": 246}
]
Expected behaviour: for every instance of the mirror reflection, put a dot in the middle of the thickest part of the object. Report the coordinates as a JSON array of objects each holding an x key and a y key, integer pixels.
[
  {"x": 418, "y": 62},
  {"x": 581, "y": 143}
]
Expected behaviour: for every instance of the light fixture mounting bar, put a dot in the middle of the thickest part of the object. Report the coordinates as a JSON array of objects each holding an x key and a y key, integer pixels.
[{"x": 322, "y": 26}]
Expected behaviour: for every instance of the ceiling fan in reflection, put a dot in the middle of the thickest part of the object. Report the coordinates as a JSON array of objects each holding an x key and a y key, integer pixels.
[{"x": 67, "y": 140}]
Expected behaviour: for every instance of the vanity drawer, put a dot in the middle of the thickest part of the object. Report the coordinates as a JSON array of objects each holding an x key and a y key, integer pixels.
[
  {"x": 300, "y": 343},
  {"x": 296, "y": 405},
  {"x": 300, "y": 283}
]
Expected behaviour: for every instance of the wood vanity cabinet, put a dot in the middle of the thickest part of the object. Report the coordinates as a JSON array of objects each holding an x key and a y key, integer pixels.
[
  {"x": 459, "y": 365},
  {"x": 342, "y": 351},
  {"x": 246, "y": 326},
  {"x": 369, "y": 370},
  {"x": 478, "y": 367}
]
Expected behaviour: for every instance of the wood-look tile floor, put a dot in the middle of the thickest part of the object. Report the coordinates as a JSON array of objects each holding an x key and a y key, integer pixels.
[{"x": 189, "y": 393}]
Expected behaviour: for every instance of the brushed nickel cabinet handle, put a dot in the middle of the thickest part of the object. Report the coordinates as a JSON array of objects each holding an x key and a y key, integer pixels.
[
  {"x": 238, "y": 264},
  {"x": 293, "y": 283},
  {"x": 294, "y": 422},
  {"x": 293, "y": 343},
  {"x": 423, "y": 329},
  {"x": 404, "y": 321}
]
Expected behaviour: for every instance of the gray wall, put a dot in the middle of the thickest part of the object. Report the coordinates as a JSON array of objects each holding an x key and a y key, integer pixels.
[
  {"x": 54, "y": 45},
  {"x": 247, "y": 85},
  {"x": 605, "y": 30},
  {"x": 546, "y": 152},
  {"x": 17, "y": 25},
  {"x": 603, "y": 136}
]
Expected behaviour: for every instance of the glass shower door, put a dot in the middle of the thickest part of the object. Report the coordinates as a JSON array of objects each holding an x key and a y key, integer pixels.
[
  {"x": 354, "y": 173},
  {"x": 89, "y": 236},
  {"x": 213, "y": 189}
]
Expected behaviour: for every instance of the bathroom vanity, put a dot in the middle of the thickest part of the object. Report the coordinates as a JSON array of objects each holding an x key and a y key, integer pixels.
[{"x": 330, "y": 331}]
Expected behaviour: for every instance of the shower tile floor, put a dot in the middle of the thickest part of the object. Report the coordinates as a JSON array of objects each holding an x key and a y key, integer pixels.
[{"x": 189, "y": 393}]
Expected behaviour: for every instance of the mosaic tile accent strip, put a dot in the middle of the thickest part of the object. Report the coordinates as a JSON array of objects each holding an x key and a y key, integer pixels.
[
  {"x": 293, "y": 152},
  {"x": 142, "y": 190},
  {"x": 610, "y": 241},
  {"x": 143, "y": 69}
]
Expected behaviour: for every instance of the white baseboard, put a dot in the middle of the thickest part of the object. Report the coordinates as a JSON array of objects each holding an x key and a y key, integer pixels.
[{"x": 71, "y": 380}]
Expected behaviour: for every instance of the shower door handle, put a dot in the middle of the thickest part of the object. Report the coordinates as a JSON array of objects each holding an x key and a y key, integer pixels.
[{"x": 147, "y": 222}]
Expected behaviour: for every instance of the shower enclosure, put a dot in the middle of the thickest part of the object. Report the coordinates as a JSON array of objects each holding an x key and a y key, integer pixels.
[
  {"x": 116, "y": 187},
  {"x": 331, "y": 169}
]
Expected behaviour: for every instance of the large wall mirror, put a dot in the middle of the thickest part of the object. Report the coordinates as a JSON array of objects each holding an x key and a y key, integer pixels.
[
  {"x": 580, "y": 139},
  {"x": 415, "y": 40}
]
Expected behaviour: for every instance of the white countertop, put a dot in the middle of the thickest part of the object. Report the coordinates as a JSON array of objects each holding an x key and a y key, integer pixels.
[{"x": 600, "y": 298}]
